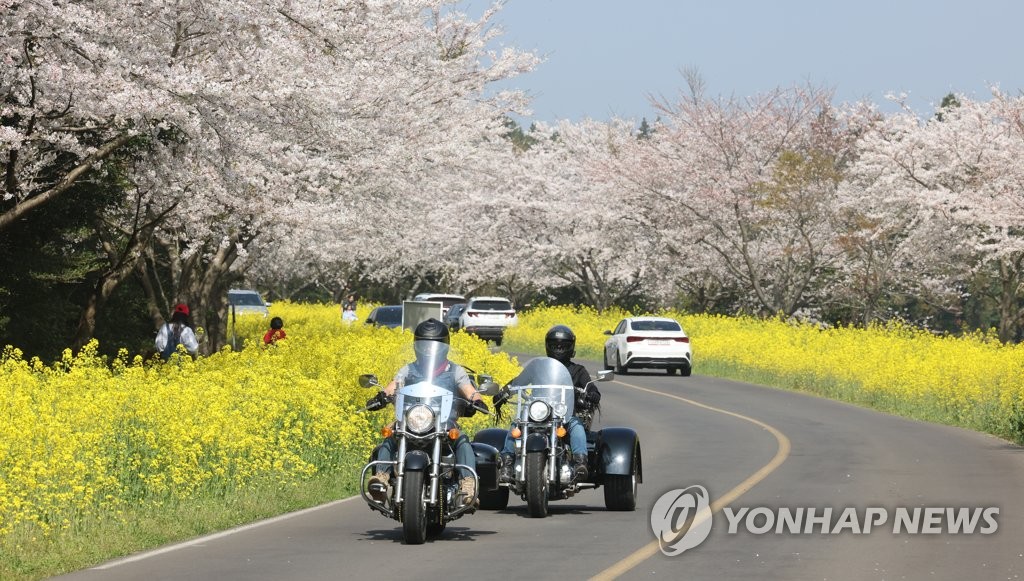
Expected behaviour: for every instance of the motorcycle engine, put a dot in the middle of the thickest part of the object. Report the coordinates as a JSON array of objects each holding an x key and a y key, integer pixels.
[{"x": 564, "y": 473}]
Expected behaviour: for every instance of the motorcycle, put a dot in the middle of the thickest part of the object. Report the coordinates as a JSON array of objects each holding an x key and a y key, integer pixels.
[
  {"x": 423, "y": 492},
  {"x": 543, "y": 470}
]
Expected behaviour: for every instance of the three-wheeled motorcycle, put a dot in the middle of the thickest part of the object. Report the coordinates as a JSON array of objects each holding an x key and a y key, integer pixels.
[
  {"x": 423, "y": 493},
  {"x": 544, "y": 399}
]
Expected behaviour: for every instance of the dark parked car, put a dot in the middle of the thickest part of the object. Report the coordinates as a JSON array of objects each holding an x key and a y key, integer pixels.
[
  {"x": 452, "y": 318},
  {"x": 388, "y": 316}
]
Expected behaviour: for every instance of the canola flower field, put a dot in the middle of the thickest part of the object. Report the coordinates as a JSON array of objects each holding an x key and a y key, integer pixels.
[
  {"x": 974, "y": 381},
  {"x": 85, "y": 440}
]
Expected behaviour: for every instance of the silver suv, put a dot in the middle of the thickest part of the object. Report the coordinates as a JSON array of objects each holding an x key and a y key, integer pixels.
[
  {"x": 247, "y": 302},
  {"x": 488, "y": 317},
  {"x": 446, "y": 300}
]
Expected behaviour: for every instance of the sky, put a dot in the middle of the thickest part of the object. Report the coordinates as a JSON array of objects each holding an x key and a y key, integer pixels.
[{"x": 606, "y": 58}]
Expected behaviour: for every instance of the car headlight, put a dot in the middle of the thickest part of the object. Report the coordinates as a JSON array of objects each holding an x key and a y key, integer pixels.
[
  {"x": 419, "y": 418},
  {"x": 539, "y": 411}
]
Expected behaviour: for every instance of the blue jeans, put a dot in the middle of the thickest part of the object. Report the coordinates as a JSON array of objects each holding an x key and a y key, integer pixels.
[
  {"x": 577, "y": 438},
  {"x": 463, "y": 454}
]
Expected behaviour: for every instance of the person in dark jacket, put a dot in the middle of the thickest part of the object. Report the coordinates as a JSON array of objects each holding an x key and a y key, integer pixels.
[{"x": 560, "y": 344}]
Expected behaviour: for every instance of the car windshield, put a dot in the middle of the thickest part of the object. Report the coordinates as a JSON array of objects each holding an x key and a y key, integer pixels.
[
  {"x": 449, "y": 302},
  {"x": 245, "y": 299},
  {"x": 655, "y": 326},
  {"x": 389, "y": 315},
  {"x": 492, "y": 305}
]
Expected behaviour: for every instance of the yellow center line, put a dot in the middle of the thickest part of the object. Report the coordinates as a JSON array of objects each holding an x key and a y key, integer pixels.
[{"x": 650, "y": 549}]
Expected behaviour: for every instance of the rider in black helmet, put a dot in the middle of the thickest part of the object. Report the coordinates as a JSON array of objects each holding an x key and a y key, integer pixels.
[
  {"x": 560, "y": 344},
  {"x": 430, "y": 344}
]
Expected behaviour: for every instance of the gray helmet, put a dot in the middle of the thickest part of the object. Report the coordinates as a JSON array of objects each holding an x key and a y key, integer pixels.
[{"x": 432, "y": 330}]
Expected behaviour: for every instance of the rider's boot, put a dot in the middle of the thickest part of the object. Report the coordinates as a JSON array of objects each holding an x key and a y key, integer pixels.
[
  {"x": 506, "y": 465},
  {"x": 580, "y": 463},
  {"x": 378, "y": 486},
  {"x": 467, "y": 488}
]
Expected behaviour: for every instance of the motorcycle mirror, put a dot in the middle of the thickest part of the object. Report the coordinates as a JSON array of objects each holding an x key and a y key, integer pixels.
[
  {"x": 605, "y": 375},
  {"x": 368, "y": 380},
  {"x": 488, "y": 388},
  {"x": 483, "y": 378}
]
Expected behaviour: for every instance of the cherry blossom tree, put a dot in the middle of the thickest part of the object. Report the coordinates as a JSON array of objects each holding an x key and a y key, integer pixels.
[
  {"x": 256, "y": 118},
  {"x": 745, "y": 189},
  {"x": 962, "y": 171}
]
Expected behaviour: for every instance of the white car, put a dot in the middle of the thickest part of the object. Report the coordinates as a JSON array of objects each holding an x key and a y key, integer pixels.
[
  {"x": 648, "y": 342},
  {"x": 488, "y": 317}
]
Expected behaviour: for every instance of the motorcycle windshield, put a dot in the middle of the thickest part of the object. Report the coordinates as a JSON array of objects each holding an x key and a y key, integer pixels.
[
  {"x": 547, "y": 380},
  {"x": 428, "y": 382},
  {"x": 438, "y": 399}
]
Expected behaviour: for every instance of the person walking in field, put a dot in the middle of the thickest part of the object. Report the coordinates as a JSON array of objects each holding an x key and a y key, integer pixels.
[{"x": 177, "y": 332}]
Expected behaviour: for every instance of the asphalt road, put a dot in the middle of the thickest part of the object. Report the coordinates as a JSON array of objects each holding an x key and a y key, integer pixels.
[{"x": 749, "y": 446}]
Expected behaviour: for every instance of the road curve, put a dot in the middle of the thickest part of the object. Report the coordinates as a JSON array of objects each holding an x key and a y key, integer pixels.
[{"x": 749, "y": 446}]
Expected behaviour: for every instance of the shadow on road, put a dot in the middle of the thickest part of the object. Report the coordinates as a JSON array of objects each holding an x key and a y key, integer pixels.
[{"x": 450, "y": 534}]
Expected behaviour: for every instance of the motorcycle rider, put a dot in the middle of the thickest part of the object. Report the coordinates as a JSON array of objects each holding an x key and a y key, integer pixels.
[
  {"x": 560, "y": 344},
  {"x": 449, "y": 376}
]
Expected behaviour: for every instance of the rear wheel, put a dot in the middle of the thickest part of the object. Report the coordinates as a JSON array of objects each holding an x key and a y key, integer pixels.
[
  {"x": 620, "y": 489},
  {"x": 670, "y": 370},
  {"x": 494, "y": 499},
  {"x": 414, "y": 521},
  {"x": 435, "y": 529},
  {"x": 536, "y": 484},
  {"x": 686, "y": 371}
]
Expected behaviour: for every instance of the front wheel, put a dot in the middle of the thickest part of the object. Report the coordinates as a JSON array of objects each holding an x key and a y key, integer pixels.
[
  {"x": 414, "y": 520},
  {"x": 607, "y": 365},
  {"x": 536, "y": 484}
]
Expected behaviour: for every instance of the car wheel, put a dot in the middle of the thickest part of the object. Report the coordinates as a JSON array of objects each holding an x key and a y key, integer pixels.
[
  {"x": 670, "y": 370},
  {"x": 686, "y": 371},
  {"x": 606, "y": 365},
  {"x": 619, "y": 367},
  {"x": 497, "y": 342}
]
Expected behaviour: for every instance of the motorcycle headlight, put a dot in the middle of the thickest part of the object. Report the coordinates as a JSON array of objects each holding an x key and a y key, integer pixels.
[
  {"x": 560, "y": 409},
  {"x": 419, "y": 418},
  {"x": 539, "y": 411}
]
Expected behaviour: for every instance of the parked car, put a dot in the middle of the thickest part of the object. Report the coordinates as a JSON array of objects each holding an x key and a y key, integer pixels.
[
  {"x": 247, "y": 302},
  {"x": 385, "y": 316},
  {"x": 488, "y": 317},
  {"x": 648, "y": 342},
  {"x": 452, "y": 317},
  {"x": 446, "y": 300}
]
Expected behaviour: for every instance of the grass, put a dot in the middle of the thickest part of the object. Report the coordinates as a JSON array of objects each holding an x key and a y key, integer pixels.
[{"x": 27, "y": 555}]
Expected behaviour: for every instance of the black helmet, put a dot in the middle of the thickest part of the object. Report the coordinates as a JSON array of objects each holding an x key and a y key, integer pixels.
[
  {"x": 432, "y": 330},
  {"x": 560, "y": 343}
]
